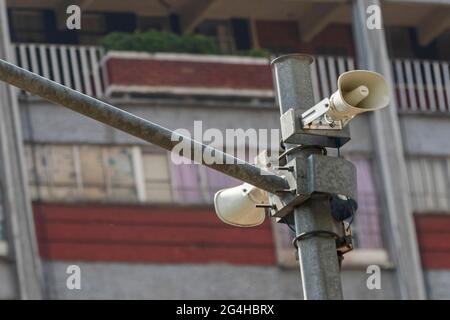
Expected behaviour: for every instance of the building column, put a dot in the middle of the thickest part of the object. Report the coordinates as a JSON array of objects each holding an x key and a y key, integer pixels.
[
  {"x": 15, "y": 199},
  {"x": 399, "y": 231}
]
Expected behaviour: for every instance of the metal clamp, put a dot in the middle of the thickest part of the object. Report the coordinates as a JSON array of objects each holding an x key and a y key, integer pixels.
[
  {"x": 317, "y": 174},
  {"x": 344, "y": 243},
  {"x": 315, "y": 233}
]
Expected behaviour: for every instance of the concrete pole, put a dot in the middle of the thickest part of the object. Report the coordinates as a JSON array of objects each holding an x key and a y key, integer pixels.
[
  {"x": 389, "y": 156},
  {"x": 15, "y": 199},
  {"x": 319, "y": 263}
]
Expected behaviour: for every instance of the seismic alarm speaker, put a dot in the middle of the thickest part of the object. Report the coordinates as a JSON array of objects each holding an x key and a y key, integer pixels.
[
  {"x": 237, "y": 206},
  {"x": 358, "y": 91}
]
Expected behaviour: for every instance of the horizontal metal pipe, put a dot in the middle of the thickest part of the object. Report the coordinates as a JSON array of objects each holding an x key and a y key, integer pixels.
[{"x": 136, "y": 126}]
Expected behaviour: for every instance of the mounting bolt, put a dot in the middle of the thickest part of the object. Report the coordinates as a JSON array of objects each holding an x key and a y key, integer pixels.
[
  {"x": 269, "y": 206},
  {"x": 290, "y": 169}
]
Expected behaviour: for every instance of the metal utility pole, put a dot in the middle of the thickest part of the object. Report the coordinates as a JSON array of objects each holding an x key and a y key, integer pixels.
[
  {"x": 301, "y": 192},
  {"x": 319, "y": 265}
]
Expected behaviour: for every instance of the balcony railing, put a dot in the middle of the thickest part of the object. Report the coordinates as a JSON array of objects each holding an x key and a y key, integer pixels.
[
  {"x": 77, "y": 67},
  {"x": 420, "y": 85},
  {"x": 325, "y": 72}
]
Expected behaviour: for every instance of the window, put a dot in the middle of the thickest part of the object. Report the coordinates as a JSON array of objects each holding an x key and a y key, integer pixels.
[
  {"x": 28, "y": 26},
  {"x": 145, "y": 23},
  {"x": 118, "y": 174},
  {"x": 219, "y": 30},
  {"x": 225, "y": 38},
  {"x": 195, "y": 184},
  {"x": 269, "y": 35},
  {"x": 157, "y": 177},
  {"x": 399, "y": 42},
  {"x": 51, "y": 170},
  {"x": 186, "y": 183},
  {"x": 106, "y": 173},
  {"x": 216, "y": 181},
  {"x": 92, "y": 172},
  {"x": 367, "y": 224},
  {"x": 442, "y": 46},
  {"x": 93, "y": 27},
  {"x": 429, "y": 183},
  {"x": 68, "y": 173}
]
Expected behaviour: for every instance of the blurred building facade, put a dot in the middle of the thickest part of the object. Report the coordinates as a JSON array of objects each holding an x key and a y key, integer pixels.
[{"x": 139, "y": 226}]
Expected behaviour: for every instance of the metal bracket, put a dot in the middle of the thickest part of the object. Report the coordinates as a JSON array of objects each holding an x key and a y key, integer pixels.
[
  {"x": 345, "y": 243},
  {"x": 315, "y": 112},
  {"x": 315, "y": 174},
  {"x": 293, "y": 130},
  {"x": 323, "y": 123},
  {"x": 316, "y": 118}
]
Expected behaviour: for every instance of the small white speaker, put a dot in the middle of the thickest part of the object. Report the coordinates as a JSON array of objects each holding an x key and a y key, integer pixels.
[{"x": 237, "y": 206}]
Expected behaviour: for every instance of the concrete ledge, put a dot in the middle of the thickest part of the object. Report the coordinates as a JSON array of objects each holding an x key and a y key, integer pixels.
[
  {"x": 167, "y": 56},
  {"x": 188, "y": 91},
  {"x": 358, "y": 259},
  {"x": 362, "y": 258}
]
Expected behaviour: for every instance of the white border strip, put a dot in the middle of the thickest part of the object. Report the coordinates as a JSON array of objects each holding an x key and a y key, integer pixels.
[
  {"x": 366, "y": 257},
  {"x": 188, "y": 91},
  {"x": 3, "y": 248},
  {"x": 138, "y": 171},
  {"x": 358, "y": 259},
  {"x": 206, "y": 58}
]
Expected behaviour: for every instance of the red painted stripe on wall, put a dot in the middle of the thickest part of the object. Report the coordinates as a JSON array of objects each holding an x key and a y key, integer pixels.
[
  {"x": 153, "y": 234},
  {"x": 430, "y": 241},
  {"x": 436, "y": 260},
  {"x": 147, "y": 234},
  {"x": 123, "y": 214},
  {"x": 150, "y": 72},
  {"x": 433, "y": 222},
  {"x": 433, "y": 235}
]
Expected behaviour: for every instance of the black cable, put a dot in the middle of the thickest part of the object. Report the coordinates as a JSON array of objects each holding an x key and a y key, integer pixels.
[
  {"x": 338, "y": 144},
  {"x": 290, "y": 227},
  {"x": 352, "y": 218},
  {"x": 315, "y": 233},
  {"x": 283, "y": 220}
]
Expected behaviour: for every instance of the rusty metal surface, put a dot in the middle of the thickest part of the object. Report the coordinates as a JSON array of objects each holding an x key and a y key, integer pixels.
[
  {"x": 318, "y": 260},
  {"x": 292, "y": 132},
  {"x": 315, "y": 174},
  {"x": 331, "y": 175}
]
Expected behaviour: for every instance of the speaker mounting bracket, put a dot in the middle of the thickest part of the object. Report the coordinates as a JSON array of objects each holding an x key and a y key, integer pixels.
[
  {"x": 316, "y": 112},
  {"x": 315, "y": 118},
  {"x": 316, "y": 174},
  {"x": 294, "y": 131}
]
